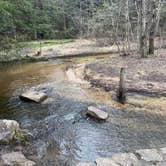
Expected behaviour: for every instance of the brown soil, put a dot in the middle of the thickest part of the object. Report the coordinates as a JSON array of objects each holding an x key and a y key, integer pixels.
[{"x": 142, "y": 75}]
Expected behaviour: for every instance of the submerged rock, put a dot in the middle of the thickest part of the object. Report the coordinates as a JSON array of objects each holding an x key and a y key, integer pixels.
[
  {"x": 106, "y": 162},
  {"x": 33, "y": 96},
  {"x": 97, "y": 113},
  {"x": 48, "y": 101},
  {"x": 125, "y": 159},
  {"x": 7, "y": 129},
  {"x": 16, "y": 158},
  {"x": 86, "y": 164}
]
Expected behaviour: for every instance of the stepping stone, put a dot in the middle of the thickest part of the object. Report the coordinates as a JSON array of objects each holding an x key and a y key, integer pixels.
[
  {"x": 150, "y": 155},
  {"x": 97, "y": 113},
  {"x": 33, "y": 96},
  {"x": 16, "y": 158}
]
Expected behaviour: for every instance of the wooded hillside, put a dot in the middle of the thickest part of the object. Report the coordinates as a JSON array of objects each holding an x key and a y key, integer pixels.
[{"x": 115, "y": 21}]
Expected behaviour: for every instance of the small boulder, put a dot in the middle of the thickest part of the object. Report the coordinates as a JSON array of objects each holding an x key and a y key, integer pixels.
[
  {"x": 33, "y": 96},
  {"x": 7, "y": 129},
  {"x": 16, "y": 158},
  {"x": 150, "y": 155},
  {"x": 97, "y": 113}
]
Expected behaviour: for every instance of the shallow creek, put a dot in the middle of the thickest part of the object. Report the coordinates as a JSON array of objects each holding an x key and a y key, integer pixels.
[{"x": 62, "y": 134}]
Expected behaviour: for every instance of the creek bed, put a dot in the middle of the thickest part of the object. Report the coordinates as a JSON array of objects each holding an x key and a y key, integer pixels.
[{"x": 62, "y": 134}]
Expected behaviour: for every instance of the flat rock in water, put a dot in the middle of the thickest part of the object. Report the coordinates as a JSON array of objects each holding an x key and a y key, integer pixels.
[
  {"x": 7, "y": 128},
  {"x": 97, "y": 113},
  {"x": 33, "y": 96},
  {"x": 16, "y": 158}
]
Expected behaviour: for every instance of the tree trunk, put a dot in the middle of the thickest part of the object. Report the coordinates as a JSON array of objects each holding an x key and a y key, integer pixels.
[
  {"x": 155, "y": 17},
  {"x": 143, "y": 26},
  {"x": 151, "y": 42},
  {"x": 35, "y": 35},
  {"x": 143, "y": 45},
  {"x": 64, "y": 19}
]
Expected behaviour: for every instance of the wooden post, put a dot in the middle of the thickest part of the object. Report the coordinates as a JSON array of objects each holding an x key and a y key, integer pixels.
[{"x": 122, "y": 88}]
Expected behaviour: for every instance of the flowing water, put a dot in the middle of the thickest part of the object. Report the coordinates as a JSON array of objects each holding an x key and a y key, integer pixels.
[{"x": 62, "y": 133}]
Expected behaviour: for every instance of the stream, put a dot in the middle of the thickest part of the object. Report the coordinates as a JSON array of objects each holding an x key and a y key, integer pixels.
[{"x": 62, "y": 133}]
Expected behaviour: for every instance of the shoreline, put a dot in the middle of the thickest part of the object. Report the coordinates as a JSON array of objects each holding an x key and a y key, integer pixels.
[{"x": 78, "y": 48}]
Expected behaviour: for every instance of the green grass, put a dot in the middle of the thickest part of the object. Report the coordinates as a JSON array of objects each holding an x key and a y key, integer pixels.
[{"x": 44, "y": 43}]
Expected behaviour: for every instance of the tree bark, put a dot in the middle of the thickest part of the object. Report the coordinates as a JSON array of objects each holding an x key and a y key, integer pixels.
[
  {"x": 143, "y": 26},
  {"x": 64, "y": 18},
  {"x": 151, "y": 42},
  {"x": 155, "y": 11}
]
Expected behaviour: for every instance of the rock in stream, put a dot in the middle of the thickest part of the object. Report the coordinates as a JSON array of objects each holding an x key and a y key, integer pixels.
[
  {"x": 7, "y": 129},
  {"x": 96, "y": 113},
  {"x": 33, "y": 96}
]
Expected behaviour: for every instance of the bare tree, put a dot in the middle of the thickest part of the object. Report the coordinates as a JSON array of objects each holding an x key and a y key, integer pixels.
[{"x": 155, "y": 7}]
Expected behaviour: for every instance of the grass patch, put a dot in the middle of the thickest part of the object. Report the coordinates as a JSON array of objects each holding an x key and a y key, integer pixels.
[{"x": 44, "y": 43}]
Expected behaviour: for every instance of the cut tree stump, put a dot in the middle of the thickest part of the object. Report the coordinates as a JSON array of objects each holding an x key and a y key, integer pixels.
[
  {"x": 122, "y": 87},
  {"x": 33, "y": 96},
  {"x": 97, "y": 113}
]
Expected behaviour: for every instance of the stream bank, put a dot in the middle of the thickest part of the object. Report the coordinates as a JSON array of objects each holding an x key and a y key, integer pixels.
[
  {"x": 75, "y": 48},
  {"x": 143, "y": 76}
]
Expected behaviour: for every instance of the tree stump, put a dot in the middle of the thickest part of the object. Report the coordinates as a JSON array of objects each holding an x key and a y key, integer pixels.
[{"x": 122, "y": 87}]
